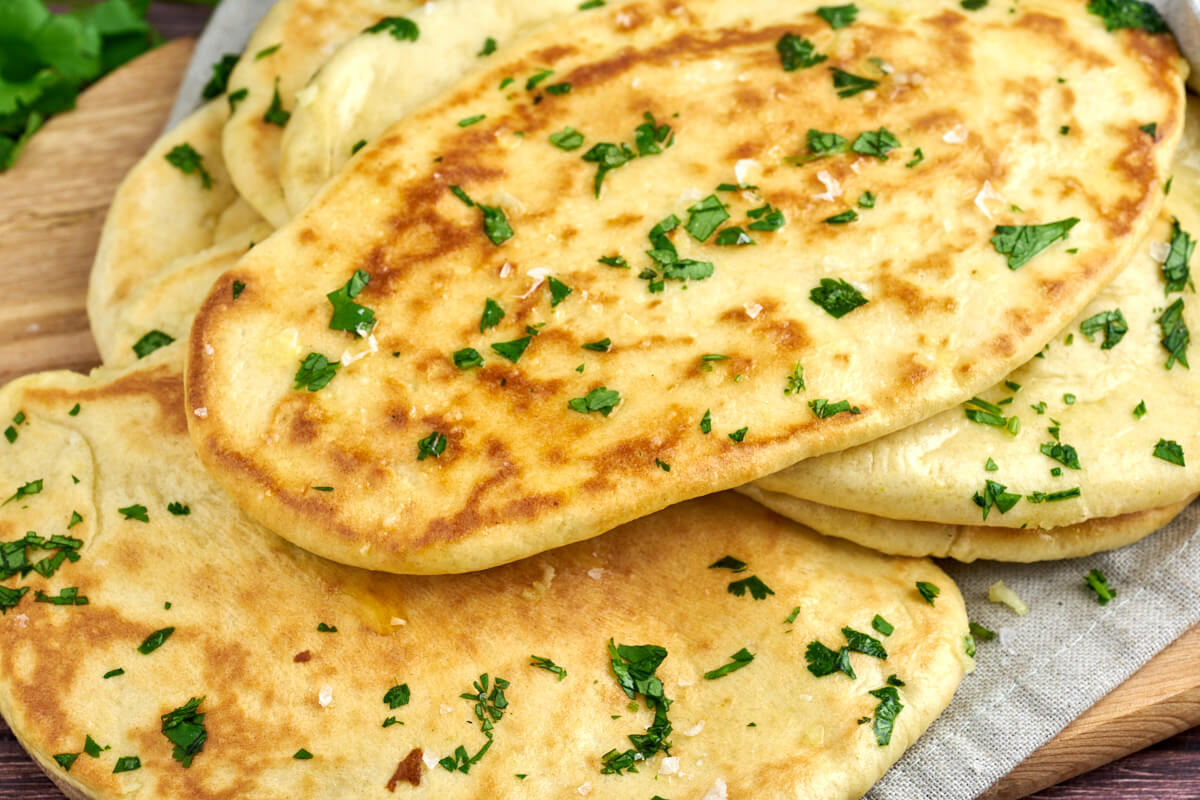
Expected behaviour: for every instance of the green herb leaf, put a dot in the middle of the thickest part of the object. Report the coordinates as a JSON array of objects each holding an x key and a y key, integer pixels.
[
  {"x": 302, "y": 755},
  {"x": 184, "y": 728},
  {"x": 466, "y": 122},
  {"x": 558, "y": 290},
  {"x": 467, "y": 358},
  {"x": 127, "y": 764},
  {"x": 705, "y": 217},
  {"x": 837, "y": 297},
  {"x": 1096, "y": 581},
  {"x": 495, "y": 224},
  {"x": 567, "y": 139},
  {"x": 823, "y": 409},
  {"x": 1170, "y": 451},
  {"x": 274, "y": 115},
  {"x": 838, "y": 16},
  {"x": 758, "y": 590},
  {"x": 1112, "y": 323},
  {"x": 928, "y": 591},
  {"x": 767, "y": 218},
  {"x": 348, "y": 315},
  {"x": 864, "y": 643},
  {"x": 729, "y": 563},
  {"x": 185, "y": 158},
  {"x": 1128, "y": 14},
  {"x": 607, "y": 156},
  {"x": 849, "y": 215},
  {"x": 315, "y": 372},
  {"x": 600, "y": 399},
  {"x": 875, "y": 143},
  {"x": 866, "y": 200},
  {"x": 1022, "y": 242},
  {"x": 432, "y": 446},
  {"x": 135, "y": 511},
  {"x": 706, "y": 421},
  {"x": 738, "y": 660},
  {"x": 155, "y": 641},
  {"x": 1175, "y": 269},
  {"x": 66, "y": 760},
  {"x": 489, "y": 47},
  {"x": 796, "y": 52},
  {"x": 237, "y": 289},
  {"x": 514, "y": 349},
  {"x": 150, "y": 342},
  {"x": 92, "y": 748},
  {"x": 739, "y": 435},
  {"x": 823, "y": 661},
  {"x": 1139, "y": 410},
  {"x": 650, "y": 138},
  {"x": 402, "y": 29},
  {"x": 885, "y": 713},
  {"x": 113, "y": 673},
  {"x": 848, "y": 84},
  {"x": 882, "y": 625},
  {"x": 492, "y": 314},
  {"x": 795, "y": 381},
  {"x": 980, "y": 632},
  {"x": 544, "y": 663},
  {"x": 236, "y": 97},
  {"x": 994, "y": 495},
  {"x": 1175, "y": 335},
  {"x": 397, "y": 696}
]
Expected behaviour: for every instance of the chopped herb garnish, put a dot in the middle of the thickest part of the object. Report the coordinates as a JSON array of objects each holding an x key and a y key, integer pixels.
[
  {"x": 1175, "y": 335},
  {"x": 558, "y": 88},
  {"x": 275, "y": 115},
  {"x": 151, "y": 342},
  {"x": 601, "y": 399},
  {"x": 467, "y": 358},
  {"x": 882, "y": 625},
  {"x": 650, "y": 138},
  {"x": 588, "y": 4},
  {"x": 1139, "y": 410},
  {"x": 489, "y": 47},
  {"x": 928, "y": 591},
  {"x": 1170, "y": 451},
  {"x": 401, "y": 28},
  {"x": 766, "y": 218},
  {"x": 792, "y": 616},
  {"x": 1128, "y": 14},
  {"x": 238, "y": 288},
  {"x": 995, "y": 495},
  {"x": 155, "y": 641},
  {"x": 837, "y": 297},
  {"x": 738, "y": 660},
  {"x": 558, "y": 290},
  {"x": 824, "y": 409},
  {"x": 468, "y": 121},
  {"x": 514, "y": 349},
  {"x": 135, "y": 511},
  {"x": 705, "y": 217},
  {"x": 315, "y": 372},
  {"x": 185, "y": 158},
  {"x": 733, "y": 237},
  {"x": 1053, "y": 497},
  {"x": 885, "y": 713},
  {"x": 796, "y": 52},
  {"x": 75, "y": 409},
  {"x": 823, "y": 661},
  {"x": 739, "y": 435},
  {"x": 184, "y": 728},
  {"x": 29, "y": 489},
  {"x": 495, "y": 224},
  {"x": 866, "y": 200},
  {"x": 1063, "y": 453},
  {"x": 492, "y": 314},
  {"x": 127, "y": 764},
  {"x": 849, "y": 215},
  {"x": 397, "y": 696},
  {"x": 347, "y": 314},
  {"x": 1022, "y": 242},
  {"x": 1175, "y": 268},
  {"x": 600, "y": 346},
  {"x": 980, "y": 632},
  {"x": 864, "y": 643},
  {"x": 548, "y": 665},
  {"x": 567, "y": 139},
  {"x": 1096, "y": 581},
  {"x": 758, "y": 590},
  {"x": 219, "y": 80},
  {"x": 848, "y": 84},
  {"x": 113, "y": 673},
  {"x": 1112, "y": 323},
  {"x": 918, "y": 157},
  {"x": 302, "y": 755},
  {"x": 68, "y": 596},
  {"x": 634, "y": 667},
  {"x": 975, "y": 5},
  {"x": 537, "y": 78},
  {"x": 795, "y": 381},
  {"x": 236, "y": 97},
  {"x": 875, "y": 143},
  {"x": 706, "y": 421},
  {"x": 614, "y": 261},
  {"x": 838, "y": 16},
  {"x": 729, "y": 563},
  {"x": 92, "y": 748},
  {"x": 66, "y": 760},
  {"x": 432, "y": 446},
  {"x": 607, "y": 156},
  {"x": 489, "y": 709}
]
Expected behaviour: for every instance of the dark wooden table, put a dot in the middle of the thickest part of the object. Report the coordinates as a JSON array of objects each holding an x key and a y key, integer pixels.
[{"x": 1167, "y": 771}]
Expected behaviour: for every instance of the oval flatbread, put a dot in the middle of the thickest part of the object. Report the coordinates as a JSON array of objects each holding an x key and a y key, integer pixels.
[
  {"x": 1107, "y": 417},
  {"x": 163, "y": 211},
  {"x": 291, "y": 43},
  {"x": 375, "y": 79},
  {"x": 498, "y": 330},
  {"x": 173, "y": 630}
]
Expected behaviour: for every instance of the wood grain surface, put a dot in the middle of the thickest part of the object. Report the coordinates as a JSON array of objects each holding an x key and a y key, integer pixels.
[{"x": 51, "y": 209}]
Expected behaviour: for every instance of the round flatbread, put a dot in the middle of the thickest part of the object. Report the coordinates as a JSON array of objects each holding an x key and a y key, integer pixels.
[
  {"x": 969, "y": 542},
  {"x": 376, "y": 78},
  {"x": 289, "y": 45},
  {"x": 1108, "y": 421},
  {"x": 163, "y": 211},
  {"x": 515, "y": 387},
  {"x": 289, "y": 655}
]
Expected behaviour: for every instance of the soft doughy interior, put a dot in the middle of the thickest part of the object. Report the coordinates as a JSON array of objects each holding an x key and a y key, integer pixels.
[
  {"x": 522, "y": 471},
  {"x": 289, "y": 45},
  {"x": 931, "y": 470},
  {"x": 374, "y": 80},
  {"x": 969, "y": 542},
  {"x": 159, "y": 214},
  {"x": 245, "y": 607}
]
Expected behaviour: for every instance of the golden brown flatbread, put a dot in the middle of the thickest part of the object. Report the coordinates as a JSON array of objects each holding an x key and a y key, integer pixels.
[
  {"x": 535, "y": 437},
  {"x": 188, "y": 599}
]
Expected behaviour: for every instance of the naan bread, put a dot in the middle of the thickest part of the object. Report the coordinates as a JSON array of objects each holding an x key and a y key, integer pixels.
[
  {"x": 969, "y": 542},
  {"x": 158, "y": 214},
  {"x": 1111, "y": 406},
  {"x": 289, "y": 45},
  {"x": 567, "y": 443},
  {"x": 168, "y": 301},
  {"x": 245, "y": 607},
  {"x": 375, "y": 79}
]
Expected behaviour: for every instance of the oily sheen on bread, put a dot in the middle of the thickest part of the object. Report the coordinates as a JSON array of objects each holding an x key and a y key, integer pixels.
[
  {"x": 1098, "y": 420},
  {"x": 969, "y": 542},
  {"x": 376, "y": 78},
  {"x": 605, "y": 393},
  {"x": 289, "y": 654},
  {"x": 291, "y": 43},
  {"x": 160, "y": 213}
]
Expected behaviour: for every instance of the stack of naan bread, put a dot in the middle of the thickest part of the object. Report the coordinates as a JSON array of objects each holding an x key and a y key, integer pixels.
[{"x": 423, "y": 338}]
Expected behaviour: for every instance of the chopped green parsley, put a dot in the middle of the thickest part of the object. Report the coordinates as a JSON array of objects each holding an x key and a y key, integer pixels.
[
  {"x": 1096, "y": 581},
  {"x": 567, "y": 139},
  {"x": 741, "y": 658},
  {"x": 995, "y": 495},
  {"x": 885, "y": 713},
  {"x": 705, "y": 217},
  {"x": 796, "y": 52},
  {"x": 882, "y": 625},
  {"x": 316, "y": 371},
  {"x": 1175, "y": 268},
  {"x": 1111, "y": 323},
  {"x": 347, "y": 314},
  {"x": 275, "y": 114},
  {"x": 875, "y": 143},
  {"x": 184, "y": 728},
  {"x": 155, "y": 641},
  {"x": 928, "y": 591},
  {"x": 758, "y": 590},
  {"x": 838, "y": 16},
  {"x": 514, "y": 349},
  {"x": 187, "y": 160},
  {"x": 544, "y": 663},
  {"x": 1022, "y": 242},
  {"x": 823, "y": 409},
  {"x": 1169, "y": 451},
  {"x": 401, "y": 28},
  {"x": 432, "y": 446},
  {"x": 848, "y": 84},
  {"x": 1175, "y": 335},
  {"x": 634, "y": 667},
  {"x": 127, "y": 764},
  {"x": 600, "y": 399},
  {"x": 837, "y": 297},
  {"x": 135, "y": 511},
  {"x": 1128, "y": 14},
  {"x": 467, "y": 358},
  {"x": 795, "y": 381},
  {"x": 150, "y": 342}
]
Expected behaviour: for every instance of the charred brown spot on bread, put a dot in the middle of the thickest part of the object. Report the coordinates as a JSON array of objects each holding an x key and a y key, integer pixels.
[
  {"x": 162, "y": 385},
  {"x": 408, "y": 770},
  {"x": 1054, "y": 31},
  {"x": 302, "y": 657},
  {"x": 300, "y": 416}
]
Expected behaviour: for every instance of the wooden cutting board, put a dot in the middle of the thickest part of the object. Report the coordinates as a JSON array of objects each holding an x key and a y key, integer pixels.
[{"x": 52, "y": 205}]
